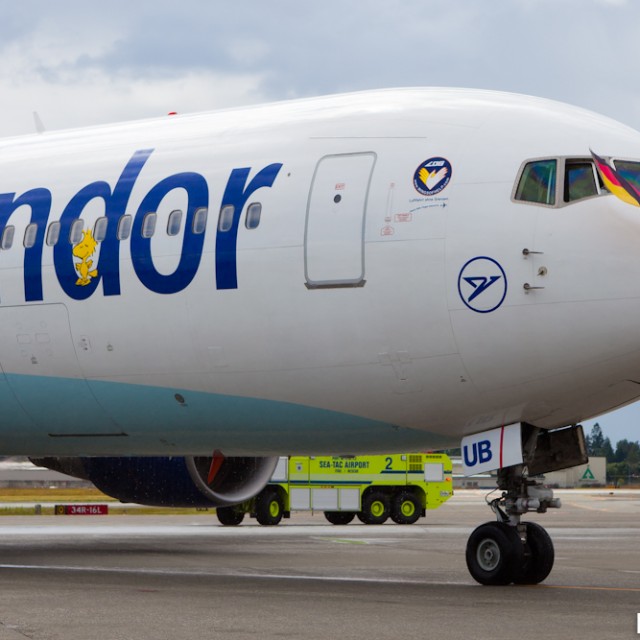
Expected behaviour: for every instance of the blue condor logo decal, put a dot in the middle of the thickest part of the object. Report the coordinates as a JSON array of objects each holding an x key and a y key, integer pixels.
[{"x": 116, "y": 202}]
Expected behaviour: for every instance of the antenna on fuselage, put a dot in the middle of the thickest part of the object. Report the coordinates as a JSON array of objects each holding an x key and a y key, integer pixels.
[{"x": 40, "y": 128}]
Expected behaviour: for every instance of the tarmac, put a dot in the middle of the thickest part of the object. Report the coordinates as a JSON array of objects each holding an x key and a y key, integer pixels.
[{"x": 129, "y": 577}]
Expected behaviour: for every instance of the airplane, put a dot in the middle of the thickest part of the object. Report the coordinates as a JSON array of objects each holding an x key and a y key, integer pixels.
[{"x": 184, "y": 299}]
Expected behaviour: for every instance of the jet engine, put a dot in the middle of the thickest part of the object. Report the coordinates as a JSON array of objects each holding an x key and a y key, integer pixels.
[{"x": 214, "y": 481}]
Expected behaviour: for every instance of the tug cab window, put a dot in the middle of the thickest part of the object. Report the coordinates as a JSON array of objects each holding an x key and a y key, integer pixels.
[{"x": 538, "y": 182}]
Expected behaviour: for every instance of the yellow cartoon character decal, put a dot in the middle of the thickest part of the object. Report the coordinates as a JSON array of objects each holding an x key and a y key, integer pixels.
[{"x": 83, "y": 250}]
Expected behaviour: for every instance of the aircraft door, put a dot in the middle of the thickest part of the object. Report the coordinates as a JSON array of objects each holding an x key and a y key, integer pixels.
[{"x": 334, "y": 233}]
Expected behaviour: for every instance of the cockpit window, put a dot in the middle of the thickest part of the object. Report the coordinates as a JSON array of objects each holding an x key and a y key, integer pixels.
[
  {"x": 573, "y": 178},
  {"x": 538, "y": 182},
  {"x": 629, "y": 171},
  {"x": 579, "y": 181}
]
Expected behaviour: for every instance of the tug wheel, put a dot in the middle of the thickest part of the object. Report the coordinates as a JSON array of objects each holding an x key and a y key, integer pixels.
[
  {"x": 269, "y": 507},
  {"x": 405, "y": 508},
  {"x": 375, "y": 508},
  {"x": 229, "y": 516},
  {"x": 339, "y": 517}
]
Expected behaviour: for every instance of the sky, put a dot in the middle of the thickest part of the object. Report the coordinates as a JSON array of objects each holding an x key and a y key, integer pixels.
[{"x": 84, "y": 63}]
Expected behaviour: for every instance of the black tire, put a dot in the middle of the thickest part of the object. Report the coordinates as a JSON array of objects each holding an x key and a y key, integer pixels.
[
  {"x": 339, "y": 517},
  {"x": 375, "y": 508},
  {"x": 494, "y": 553},
  {"x": 405, "y": 508},
  {"x": 230, "y": 516},
  {"x": 538, "y": 558},
  {"x": 269, "y": 507}
]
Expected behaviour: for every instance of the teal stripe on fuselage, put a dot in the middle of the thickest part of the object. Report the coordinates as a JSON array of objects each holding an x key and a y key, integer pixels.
[{"x": 74, "y": 417}]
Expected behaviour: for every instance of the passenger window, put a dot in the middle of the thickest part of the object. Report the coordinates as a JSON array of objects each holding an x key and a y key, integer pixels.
[
  {"x": 579, "y": 181},
  {"x": 200, "y": 220},
  {"x": 538, "y": 182},
  {"x": 124, "y": 227},
  {"x": 226, "y": 217},
  {"x": 75, "y": 233},
  {"x": 100, "y": 229},
  {"x": 149, "y": 225},
  {"x": 175, "y": 220},
  {"x": 254, "y": 211},
  {"x": 30, "y": 234},
  {"x": 7, "y": 237},
  {"x": 53, "y": 234}
]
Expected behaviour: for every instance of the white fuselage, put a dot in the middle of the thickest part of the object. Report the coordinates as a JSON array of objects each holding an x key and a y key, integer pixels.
[{"x": 343, "y": 322}]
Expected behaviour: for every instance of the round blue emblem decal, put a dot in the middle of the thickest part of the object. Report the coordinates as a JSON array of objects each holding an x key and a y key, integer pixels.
[
  {"x": 432, "y": 176},
  {"x": 482, "y": 284}
]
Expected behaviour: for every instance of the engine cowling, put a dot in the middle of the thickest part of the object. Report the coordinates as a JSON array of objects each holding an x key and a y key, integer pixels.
[{"x": 171, "y": 482}]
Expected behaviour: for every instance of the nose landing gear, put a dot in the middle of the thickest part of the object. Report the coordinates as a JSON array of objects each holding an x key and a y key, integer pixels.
[{"x": 508, "y": 550}]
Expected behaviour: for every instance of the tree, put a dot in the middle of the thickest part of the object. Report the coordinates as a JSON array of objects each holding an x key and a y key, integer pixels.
[
  {"x": 627, "y": 452},
  {"x": 624, "y": 449},
  {"x": 598, "y": 445},
  {"x": 595, "y": 439},
  {"x": 621, "y": 473},
  {"x": 607, "y": 450}
]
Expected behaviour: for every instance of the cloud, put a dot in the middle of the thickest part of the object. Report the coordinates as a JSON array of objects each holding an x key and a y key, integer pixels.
[
  {"x": 81, "y": 62},
  {"x": 99, "y": 99}
]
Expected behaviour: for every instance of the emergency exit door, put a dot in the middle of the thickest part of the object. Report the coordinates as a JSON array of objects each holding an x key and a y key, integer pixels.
[{"x": 334, "y": 234}]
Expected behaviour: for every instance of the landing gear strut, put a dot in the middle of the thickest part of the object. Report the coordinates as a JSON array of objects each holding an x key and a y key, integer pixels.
[{"x": 506, "y": 551}]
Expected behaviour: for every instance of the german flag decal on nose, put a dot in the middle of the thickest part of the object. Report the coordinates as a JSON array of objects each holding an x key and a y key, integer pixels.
[{"x": 615, "y": 182}]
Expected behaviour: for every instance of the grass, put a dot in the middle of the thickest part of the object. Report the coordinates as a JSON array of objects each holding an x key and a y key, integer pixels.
[
  {"x": 46, "y": 494},
  {"x": 45, "y": 499}
]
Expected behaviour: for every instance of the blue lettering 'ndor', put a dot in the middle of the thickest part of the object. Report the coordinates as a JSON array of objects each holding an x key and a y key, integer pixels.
[
  {"x": 480, "y": 453},
  {"x": 115, "y": 203},
  {"x": 236, "y": 195},
  {"x": 192, "y": 243},
  {"x": 39, "y": 200}
]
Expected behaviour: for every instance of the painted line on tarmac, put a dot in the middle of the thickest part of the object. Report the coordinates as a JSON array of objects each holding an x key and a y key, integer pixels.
[
  {"x": 226, "y": 574},
  {"x": 285, "y": 576},
  {"x": 343, "y": 541},
  {"x": 585, "y": 588},
  {"x": 584, "y": 507}
]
